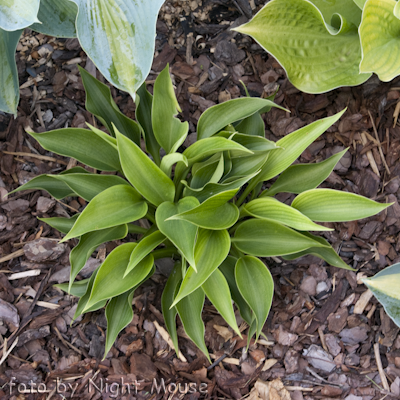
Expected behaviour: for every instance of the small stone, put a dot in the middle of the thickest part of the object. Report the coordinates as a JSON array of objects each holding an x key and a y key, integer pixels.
[
  {"x": 322, "y": 287},
  {"x": 44, "y": 204},
  {"x": 309, "y": 285}
]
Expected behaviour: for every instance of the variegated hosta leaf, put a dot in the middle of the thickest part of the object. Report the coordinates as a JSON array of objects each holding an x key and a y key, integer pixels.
[
  {"x": 57, "y": 18},
  {"x": 18, "y": 14},
  {"x": 380, "y": 39},
  {"x": 316, "y": 56},
  {"x": 119, "y": 36},
  {"x": 385, "y": 286},
  {"x": 9, "y": 93}
]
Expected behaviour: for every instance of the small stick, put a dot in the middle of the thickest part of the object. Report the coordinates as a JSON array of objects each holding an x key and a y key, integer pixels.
[
  {"x": 25, "y": 274},
  {"x": 396, "y": 114},
  {"x": 371, "y": 311},
  {"x": 38, "y": 156},
  {"x": 362, "y": 302},
  {"x": 165, "y": 335},
  {"x": 379, "y": 144},
  {"x": 6, "y": 351},
  {"x": 380, "y": 368},
  {"x": 9, "y": 257},
  {"x": 301, "y": 388},
  {"x": 322, "y": 337},
  {"x": 369, "y": 155}
]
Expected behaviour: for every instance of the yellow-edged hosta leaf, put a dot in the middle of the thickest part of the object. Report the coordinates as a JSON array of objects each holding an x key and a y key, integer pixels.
[
  {"x": 272, "y": 209},
  {"x": 328, "y": 205},
  {"x": 380, "y": 39},
  {"x": 119, "y": 36},
  {"x": 114, "y": 206}
]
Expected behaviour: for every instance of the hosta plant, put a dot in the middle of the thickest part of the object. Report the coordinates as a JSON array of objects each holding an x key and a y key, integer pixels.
[
  {"x": 326, "y": 44},
  {"x": 210, "y": 207},
  {"x": 117, "y": 35}
]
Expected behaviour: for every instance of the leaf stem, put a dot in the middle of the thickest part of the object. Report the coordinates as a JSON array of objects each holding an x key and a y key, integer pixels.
[
  {"x": 132, "y": 228},
  {"x": 164, "y": 253}
]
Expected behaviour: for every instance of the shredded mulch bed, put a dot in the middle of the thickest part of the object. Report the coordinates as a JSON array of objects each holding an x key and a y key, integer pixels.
[{"x": 328, "y": 338}]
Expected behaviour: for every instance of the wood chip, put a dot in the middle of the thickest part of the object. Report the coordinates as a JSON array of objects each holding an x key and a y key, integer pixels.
[
  {"x": 25, "y": 274},
  {"x": 362, "y": 302},
  {"x": 369, "y": 154},
  {"x": 165, "y": 335},
  {"x": 227, "y": 360},
  {"x": 380, "y": 368},
  {"x": 45, "y": 304},
  {"x": 11, "y": 256},
  {"x": 269, "y": 364}
]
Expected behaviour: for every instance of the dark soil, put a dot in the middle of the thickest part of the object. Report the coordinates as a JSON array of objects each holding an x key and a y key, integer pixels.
[{"x": 323, "y": 325}]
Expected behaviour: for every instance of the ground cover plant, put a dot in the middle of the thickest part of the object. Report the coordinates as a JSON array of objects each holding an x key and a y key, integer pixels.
[
  {"x": 324, "y": 45},
  {"x": 210, "y": 207},
  {"x": 117, "y": 35}
]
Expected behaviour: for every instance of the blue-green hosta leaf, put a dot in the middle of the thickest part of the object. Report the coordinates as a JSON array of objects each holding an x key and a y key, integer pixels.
[
  {"x": 167, "y": 299},
  {"x": 81, "y": 144},
  {"x": 181, "y": 233},
  {"x": 212, "y": 247},
  {"x": 88, "y": 243},
  {"x": 119, "y": 36},
  {"x": 108, "y": 282},
  {"x": 385, "y": 286},
  {"x": 144, "y": 104},
  {"x": 18, "y": 14},
  {"x": 87, "y": 185},
  {"x": 380, "y": 39},
  {"x": 119, "y": 314},
  {"x": 327, "y": 253},
  {"x": 169, "y": 160},
  {"x": 114, "y": 206},
  {"x": 143, "y": 174},
  {"x": 77, "y": 289},
  {"x": 256, "y": 285},
  {"x": 169, "y": 131},
  {"x": 265, "y": 238},
  {"x": 57, "y": 18},
  {"x": 189, "y": 310},
  {"x": 213, "y": 213},
  {"x": 100, "y": 103},
  {"x": 316, "y": 56},
  {"x": 293, "y": 145},
  {"x": 228, "y": 269},
  {"x": 217, "y": 290},
  {"x": 272, "y": 209},
  {"x": 63, "y": 225},
  {"x": 328, "y": 205},
  {"x": 219, "y": 116},
  {"x": 301, "y": 177},
  {"x": 9, "y": 94},
  {"x": 143, "y": 248}
]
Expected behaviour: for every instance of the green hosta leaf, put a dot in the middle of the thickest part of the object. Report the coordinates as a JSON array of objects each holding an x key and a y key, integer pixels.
[
  {"x": 88, "y": 243},
  {"x": 385, "y": 286},
  {"x": 189, "y": 310},
  {"x": 77, "y": 289},
  {"x": 144, "y": 105},
  {"x": 103, "y": 135},
  {"x": 82, "y": 144},
  {"x": 217, "y": 290},
  {"x": 143, "y": 248},
  {"x": 396, "y": 10},
  {"x": 327, "y": 205},
  {"x": 293, "y": 145},
  {"x": 316, "y": 56},
  {"x": 181, "y": 233},
  {"x": 265, "y": 238},
  {"x": 272, "y": 209},
  {"x": 348, "y": 9},
  {"x": 143, "y": 174},
  {"x": 256, "y": 285},
  {"x": 217, "y": 117},
  {"x": 169, "y": 131},
  {"x": 114, "y": 206},
  {"x": 327, "y": 253},
  {"x": 212, "y": 247},
  {"x": 167, "y": 299},
  {"x": 119, "y": 314},
  {"x": 108, "y": 282},
  {"x": 215, "y": 188},
  {"x": 100, "y": 103},
  {"x": 213, "y": 213},
  {"x": 18, "y": 14},
  {"x": 88, "y": 186},
  {"x": 256, "y": 144},
  {"x": 63, "y": 225},
  {"x": 169, "y": 160},
  {"x": 301, "y": 177},
  {"x": 9, "y": 94},
  {"x": 207, "y": 172},
  {"x": 244, "y": 166},
  {"x": 253, "y": 125},
  {"x": 118, "y": 35},
  {"x": 57, "y": 18},
  {"x": 380, "y": 39},
  {"x": 228, "y": 269},
  {"x": 360, "y": 3}
]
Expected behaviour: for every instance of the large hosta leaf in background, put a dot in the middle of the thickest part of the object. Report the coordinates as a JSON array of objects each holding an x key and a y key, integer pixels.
[
  {"x": 380, "y": 39},
  {"x": 9, "y": 93},
  {"x": 57, "y": 18},
  {"x": 316, "y": 56},
  {"x": 385, "y": 286},
  {"x": 18, "y": 14},
  {"x": 119, "y": 36}
]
